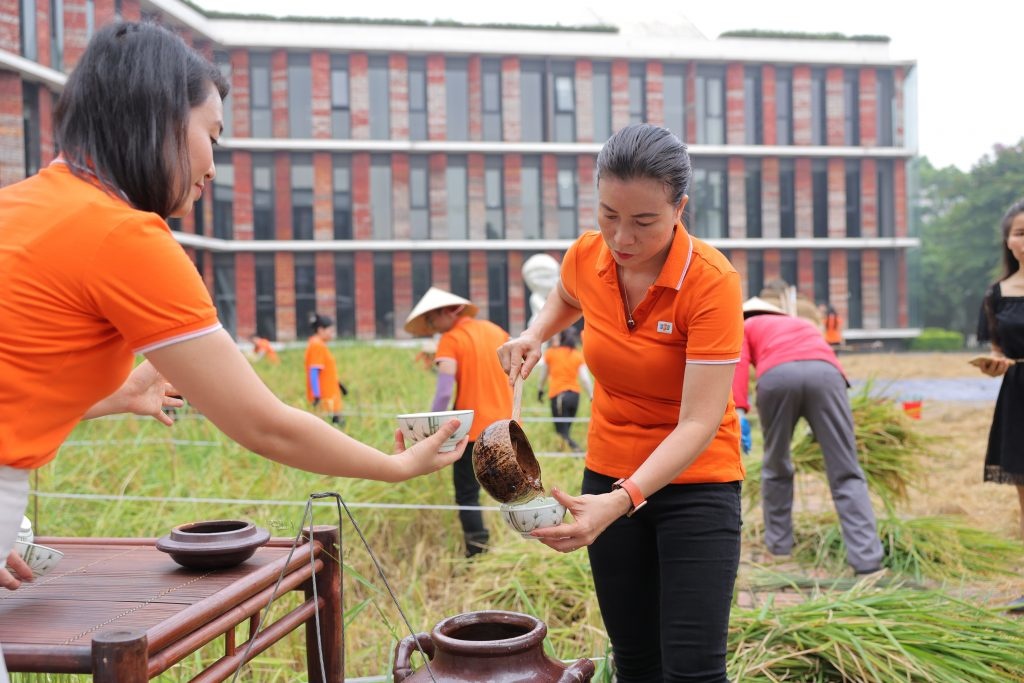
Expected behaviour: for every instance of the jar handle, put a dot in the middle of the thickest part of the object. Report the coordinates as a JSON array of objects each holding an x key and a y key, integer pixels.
[
  {"x": 580, "y": 671},
  {"x": 403, "y": 653}
]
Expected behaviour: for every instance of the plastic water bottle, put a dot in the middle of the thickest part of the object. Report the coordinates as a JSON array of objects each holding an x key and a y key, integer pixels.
[{"x": 25, "y": 533}]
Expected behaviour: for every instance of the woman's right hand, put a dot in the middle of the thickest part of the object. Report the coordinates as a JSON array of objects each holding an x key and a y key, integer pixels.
[
  {"x": 994, "y": 366},
  {"x": 519, "y": 355},
  {"x": 423, "y": 457}
]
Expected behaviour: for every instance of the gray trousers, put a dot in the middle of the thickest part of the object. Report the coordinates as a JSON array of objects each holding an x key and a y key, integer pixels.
[{"x": 816, "y": 391}]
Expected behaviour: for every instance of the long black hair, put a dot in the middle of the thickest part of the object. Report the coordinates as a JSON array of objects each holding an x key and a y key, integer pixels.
[
  {"x": 645, "y": 151},
  {"x": 1010, "y": 266},
  {"x": 123, "y": 115}
]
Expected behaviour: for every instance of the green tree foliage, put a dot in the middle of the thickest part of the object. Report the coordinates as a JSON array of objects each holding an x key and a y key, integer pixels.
[{"x": 961, "y": 251}]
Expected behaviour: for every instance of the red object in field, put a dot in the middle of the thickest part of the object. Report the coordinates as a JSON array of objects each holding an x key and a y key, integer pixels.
[{"x": 913, "y": 409}]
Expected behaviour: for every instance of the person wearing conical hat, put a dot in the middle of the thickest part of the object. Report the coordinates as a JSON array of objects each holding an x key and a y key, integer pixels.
[
  {"x": 466, "y": 368},
  {"x": 798, "y": 375}
]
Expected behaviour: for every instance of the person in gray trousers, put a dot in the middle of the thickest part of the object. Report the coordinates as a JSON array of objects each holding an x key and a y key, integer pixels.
[{"x": 798, "y": 375}]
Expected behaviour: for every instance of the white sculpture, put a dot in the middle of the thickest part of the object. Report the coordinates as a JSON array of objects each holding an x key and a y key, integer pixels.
[{"x": 540, "y": 273}]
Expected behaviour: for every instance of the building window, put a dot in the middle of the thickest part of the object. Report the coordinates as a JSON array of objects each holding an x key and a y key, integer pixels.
[
  {"x": 886, "y": 201},
  {"x": 494, "y": 194},
  {"x": 223, "y": 62},
  {"x": 422, "y": 274},
  {"x": 886, "y": 107},
  {"x": 31, "y": 127},
  {"x": 752, "y": 183},
  {"x": 416, "y": 68},
  {"x": 753, "y": 106},
  {"x": 305, "y": 293},
  {"x": 458, "y": 262},
  {"x": 266, "y": 304},
  {"x": 497, "y": 288},
  {"x": 263, "y": 197},
  {"x": 819, "y": 118},
  {"x": 384, "y": 294},
  {"x": 787, "y": 199},
  {"x": 57, "y": 34},
  {"x": 755, "y": 272},
  {"x": 565, "y": 101},
  {"x": 345, "y": 294},
  {"x": 601, "y": 85},
  {"x": 673, "y": 82},
  {"x": 788, "y": 266},
  {"x": 889, "y": 287},
  {"x": 567, "y": 220},
  {"x": 199, "y": 225},
  {"x": 710, "y": 105},
  {"x": 637, "y": 92},
  {"x": 851, "y": 107},
  {"x": 224, "y": 197},
  {"x": 458, "y": 198},
  {"x": 491, "y": 96},
  {"x": 419, "y": 197},
  {"x": 224, "y": 291},
  {"x": 784, "y": 106},
  {"x": 456, "y": 93},
  {"x": 710, "y": 218},
  {"x": 819, "y": 191},
  {"x": 300, "y": 96},
  {"x": 302, "y": 196},
  {"x": 380, "y": 196},
  {"x": 853, "y": 221},
  {"x": 29, "y": 39},
  {"x": 259, "y": 95},
  {"x": 341, "y": 113},
  {"x": 90, "y": 18},
  {"x": 342, "y": 204},
  {"x": 855, "y": 301},
  {"x": 530, "y": 192},
  {"x": 533, "y": 102},
  {"x": 380, "y": 104},
  {"x": 820, "y": 261}
]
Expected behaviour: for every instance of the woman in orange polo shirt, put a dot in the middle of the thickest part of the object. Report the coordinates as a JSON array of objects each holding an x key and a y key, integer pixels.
[
  {"x": 93, "y": 276},
  {"x": 660, "y": 504},
  {"x": 563, "y": 371}
]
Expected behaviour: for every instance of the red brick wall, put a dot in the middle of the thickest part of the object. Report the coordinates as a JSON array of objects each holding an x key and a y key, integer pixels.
[
  {"x": 834, "y": 108},
  {"x": 691, "y": 102},
  {"x": 655, "y": 103},
  {"x": 901, "y": 294},
  {"x": 366, "y": 324},
  {"x": 868, "y": 97},
  {"x": 46, "y": 104},
  {"x": 549, "y": 188},
  {"x": 477, "y": 209},
  {"x": 899, "y": 179},
  {"x": 772, "y": 264},
  {"x": 838, "y": 288},
  {"x": 804, "y": 196},
  {"x": 325, "y": 286},
  {"x": 836, "y": 198},
  {"x": 898, "y": 77},
  {"x": 320, "y": 68},
  {"x": 620, "y": 94},
  {"x": 517, "y": 304},
  {"x": 871, "y": 288},
  {"x": 511, "y": 116},
  {"x": 359, "y": 96},
  {"x": 437, "y": 105},
  {"x": 362, "y": 223},
  {"x": 402, "y": 271},
  {"x": 43, "y": 32},
  {"x": 584, "y": 100},
  {"x": 284, "y": 294},
  {"x": 323, "y": 199},
  {"x": 586, "y": 166},
  {"x": 438, "y": 164},
  {"x": 513, "y": 197},
  {"x": 478, "y": 281},
  {"x": 770, "y": 226},
  {"x": 440, "y": 269},
  {"x": 868, "y": 198},
  {"x": 398, "y": 87},
  {"x": 10, "y": 26},
  {"x": 279, "y": 94},
  {"x": 801, "y": 105},
  {"x": 400, "y": 196},
  {"x": 805, "y": 272},
  {"x": 734, "y": 123},
  {"x": 769, "y": 106},
  {"x": 738, "y": 258},
  {"x": 75, "y": 27},
  {"x": 103, "y": 12},
  {"x": 737, "y": 198},
  {"x": 240, "y": 96},
  {"x": 476, "y": 102},
  {"x": 12, "y": 138}
]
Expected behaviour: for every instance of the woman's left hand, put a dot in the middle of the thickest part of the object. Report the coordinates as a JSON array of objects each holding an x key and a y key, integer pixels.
[
  {"x": 145, "y": 392},
  {"x": 592, "y": 514}
]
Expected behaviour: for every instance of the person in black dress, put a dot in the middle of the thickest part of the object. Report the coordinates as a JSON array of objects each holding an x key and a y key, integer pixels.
[{"x": 1002, "y": 325}]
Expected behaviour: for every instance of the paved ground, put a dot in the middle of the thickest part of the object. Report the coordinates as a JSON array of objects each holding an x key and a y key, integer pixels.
[{"x": 956, "y": 389}]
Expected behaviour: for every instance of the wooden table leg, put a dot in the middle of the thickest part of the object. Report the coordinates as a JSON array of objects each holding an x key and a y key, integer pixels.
[
  {"x": 120, "y": 656},
  {"x": 328, "y": 588}
]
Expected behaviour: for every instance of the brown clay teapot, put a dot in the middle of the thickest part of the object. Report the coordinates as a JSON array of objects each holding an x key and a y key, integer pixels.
[{"x": 486, "y": 647}]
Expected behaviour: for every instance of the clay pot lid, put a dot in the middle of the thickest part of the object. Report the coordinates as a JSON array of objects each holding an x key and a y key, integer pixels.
[{"x": 213, "y": 544}]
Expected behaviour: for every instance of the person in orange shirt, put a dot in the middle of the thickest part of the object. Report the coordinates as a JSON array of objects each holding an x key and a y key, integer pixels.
[
  {"x": 88, "y": 262},
  {"x": 833, "y": 331},
  {"x": 323, "y": 389},
  {"x": 660, "y": 506},
  {"x": 567, "y": 370},
  {"x": 466, "y": 368},
  {"x": 261, "y": 349}
]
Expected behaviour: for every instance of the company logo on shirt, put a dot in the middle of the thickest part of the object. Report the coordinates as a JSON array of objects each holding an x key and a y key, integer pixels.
[{"x": 664, "y": 327}]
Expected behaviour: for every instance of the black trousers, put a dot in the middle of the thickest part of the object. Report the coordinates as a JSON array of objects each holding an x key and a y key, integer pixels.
[
  {"x": 467, "y": 492},
  {"x": 664, "y": 581},
  {"x": 565, "y": 404}
]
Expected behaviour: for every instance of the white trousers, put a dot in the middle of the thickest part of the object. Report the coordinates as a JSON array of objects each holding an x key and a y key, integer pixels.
[{"x": 13, "y": 499}]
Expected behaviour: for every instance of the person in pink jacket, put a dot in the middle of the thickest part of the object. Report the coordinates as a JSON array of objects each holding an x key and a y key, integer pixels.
[{"x": 798, "y": 375}]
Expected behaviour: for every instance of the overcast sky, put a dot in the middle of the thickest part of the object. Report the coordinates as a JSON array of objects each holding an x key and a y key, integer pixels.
[{"x": 969, "y": 55}]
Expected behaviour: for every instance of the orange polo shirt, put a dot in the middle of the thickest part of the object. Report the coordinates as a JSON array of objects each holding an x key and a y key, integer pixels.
[
  {"x": 481, "y": 384},
  {"x": 319, "y": 356},
  {"x": 261, "y": 345},
  {"x": 88, "y": 281},
  {"x": 563, "y": 369},
  {"x": 691, "y": 314}
]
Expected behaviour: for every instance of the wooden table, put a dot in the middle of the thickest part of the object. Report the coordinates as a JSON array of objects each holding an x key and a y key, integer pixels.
[{"x": 123, "y": 611}]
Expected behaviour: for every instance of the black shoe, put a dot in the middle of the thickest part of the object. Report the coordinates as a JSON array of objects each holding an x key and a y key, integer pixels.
[{"x": 476, "y": 543}]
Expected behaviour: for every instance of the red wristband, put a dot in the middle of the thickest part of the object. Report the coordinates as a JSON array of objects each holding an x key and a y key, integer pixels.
[{"x": 636, "y": 498}]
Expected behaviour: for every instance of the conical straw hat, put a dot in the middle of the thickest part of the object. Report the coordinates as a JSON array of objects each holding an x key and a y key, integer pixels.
[
  {"x": 755, "y": 305},
  {"x": 434, "y": 299}
]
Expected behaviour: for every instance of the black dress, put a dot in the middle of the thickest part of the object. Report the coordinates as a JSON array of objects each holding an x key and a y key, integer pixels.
[{"x": 1002, "y": 322}]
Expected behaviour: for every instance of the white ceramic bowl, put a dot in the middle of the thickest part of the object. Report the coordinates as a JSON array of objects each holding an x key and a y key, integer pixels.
[
  {"x": 543, "y": 511},
  {"x": 40, "y": 558},
  {"x": 418, "y": 426}
]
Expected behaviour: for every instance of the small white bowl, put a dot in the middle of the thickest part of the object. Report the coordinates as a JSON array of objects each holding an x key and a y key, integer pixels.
[
  {"x": 40, "y": 558},
  {"x": 541, "y": 512},
  {"x": 418, "y": 426}
]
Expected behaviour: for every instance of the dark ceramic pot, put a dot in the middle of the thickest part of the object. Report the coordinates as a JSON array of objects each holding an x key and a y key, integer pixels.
[
  {"x": 215, "y": 544},
  {"x": 487, "y": 646}
]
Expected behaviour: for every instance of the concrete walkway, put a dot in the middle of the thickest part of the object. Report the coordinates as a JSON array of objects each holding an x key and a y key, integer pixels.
[{"x": 949, "y": 389}]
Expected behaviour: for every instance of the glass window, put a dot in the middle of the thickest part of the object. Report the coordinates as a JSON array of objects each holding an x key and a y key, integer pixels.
[
  {"x": 199, "y": 225},
  {"x": 302, "y": 196},
  {"x": 459, "y": 263},
  {"x": 711, "y": 201},
  {"x": 890, "y": 288},
  {"x": 419, "y": 197},
  {"x": 886, "y": 107},
  {"x": 755, "y": 272},
  {"x": 565, "y": 101},
  {"x": 820, "y": 276},
  {"x": 491, "y": 95},
  {"x": 788, "y": 266},
  {"x": 886, "y": 198},
  {"x": 784, "y": 106},
  {"x": 567, "y": 221},
  {"x": 263, "y": 197},
  {"x": 417, "y": 69},
  {"x": 819, "y": 190},
  {"x": 711, "y": 105},
  {"x": 753, "y": 106},
  {"x": 637, "y": 92},
  {"x": 224, "y": 196},
  {"x": 456, "y": 92},
  {"x": 345, "y": 294},
  {"x": 342, "y": 204},
  {"x": 533, "y": 102},
  {"x": 341, "y": 113},
  {"x": 300, "y": 96},
  {"x": 602, "y": 89},
  {"x": 384, "y": 294},
  {"x": 497, "y": 288},
  {"x": 266, "y": 304},
  {"x": 259, "y": 95},
  {"x": 494, "y": 197},
  {"x": 752, "y": 182},
  {"x": 855, "y": 301},
  {"x": 305, "y": 293},
  {"x": 674, "y": 88},
  {"x": 532, "y": 213},
  {"x": 851, "y": 107},
  {"x": 224, "y": 291},
  {"x": 422, "y": 273},
  {"x": 29, "y": 39},
  {"x": 787, "y": 200},
  {"x": 380, "y": 196},
  {"x": 853, "y": 198},
  {"x": 31, "y": 127},
  {"x": 380, "y": 103},
  {"x": 819, "y": 119},
  {"x": 223, "y": 62},
  {"x": 57, "y": 34},
  {"x": 458, "y": 197}
]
